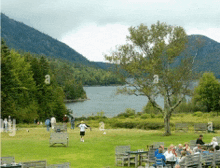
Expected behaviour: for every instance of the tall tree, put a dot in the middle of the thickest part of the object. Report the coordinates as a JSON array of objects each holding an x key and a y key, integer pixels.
[
  {"x": 153, "y": 51},
  {"x": 207, "y": 92},
  {"x": 9, "y": 83}
]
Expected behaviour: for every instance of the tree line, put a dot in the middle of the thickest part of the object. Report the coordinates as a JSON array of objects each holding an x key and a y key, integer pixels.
[{"x": 26, "y": 96}]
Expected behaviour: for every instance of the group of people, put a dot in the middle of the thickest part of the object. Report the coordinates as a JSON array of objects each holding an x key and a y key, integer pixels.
[
  {"x": 179, "y": 153},
  {"x": 52, "y": 122},
  {"x": 7, "y": 124},
  {"x": 83, "y": 126}
]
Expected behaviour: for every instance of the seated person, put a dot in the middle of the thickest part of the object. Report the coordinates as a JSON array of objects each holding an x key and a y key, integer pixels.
[
  {"x": 170, "y": 154},
  {"x": 204, "y": 150},
  {"x": 214, "y": 142},
  {"x": 179, "y": 149},
  {"x": 157, "y": 151},
  {"x": 199, "y": 140},
  {"x": 182, "y": 160},
  {"x": 197, "y": 149},
  {"x": 187, "y": 149},
  {"x": 211, "y": 150},
  {"x": 159, "y": 156}
]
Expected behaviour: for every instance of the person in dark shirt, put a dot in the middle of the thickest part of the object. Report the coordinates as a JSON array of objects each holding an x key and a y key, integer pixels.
[{"x": 199, "y": 140}]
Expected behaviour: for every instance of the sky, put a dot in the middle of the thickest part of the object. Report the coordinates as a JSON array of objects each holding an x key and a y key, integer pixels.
[{"x": 94, "y": 27}]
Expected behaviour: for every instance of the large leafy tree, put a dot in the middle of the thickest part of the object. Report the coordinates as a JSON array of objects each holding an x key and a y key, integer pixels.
[
  {"x": 207, "y": 92},
  {"x": 153, "y": 51}
]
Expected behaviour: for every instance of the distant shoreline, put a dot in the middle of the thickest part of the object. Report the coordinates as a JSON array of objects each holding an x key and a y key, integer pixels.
[{"x": 75, "y": 100}]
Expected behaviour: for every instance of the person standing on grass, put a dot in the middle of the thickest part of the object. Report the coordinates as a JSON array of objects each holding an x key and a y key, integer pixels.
[
  {"x": 65, "y": 119},
  {"x": 82, "y": 127},
  {"x": 47, "y": 123},
  {"x": 53, "y": 122},
  {"x": 6, "y": 125},
  {"x": 72, "y": 121}
]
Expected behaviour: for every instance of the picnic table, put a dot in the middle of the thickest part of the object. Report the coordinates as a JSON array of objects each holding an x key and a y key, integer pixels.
[
  {"x": 11, "y": 165},
  {"x": 137, "y": 160},
  {"x": 171, "y": 163}
]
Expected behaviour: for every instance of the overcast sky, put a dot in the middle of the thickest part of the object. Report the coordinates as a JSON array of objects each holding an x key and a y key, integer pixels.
[{"x": 93, "y": 27}]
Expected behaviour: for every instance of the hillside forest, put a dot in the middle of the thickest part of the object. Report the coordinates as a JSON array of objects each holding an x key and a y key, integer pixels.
[{"x": 25, "y": 94}]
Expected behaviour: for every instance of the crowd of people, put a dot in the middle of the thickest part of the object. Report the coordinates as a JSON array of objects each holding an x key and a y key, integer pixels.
[
  {"x": 178, "y": 154},
  {"x": 83, "y": 126}
]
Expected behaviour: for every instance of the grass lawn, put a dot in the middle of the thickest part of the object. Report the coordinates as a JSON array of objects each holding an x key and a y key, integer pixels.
[{"x": 98, "y": 150}]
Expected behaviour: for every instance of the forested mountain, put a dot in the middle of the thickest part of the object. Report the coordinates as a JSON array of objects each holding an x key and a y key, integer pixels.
[
  {"x": 22, "y": 37},
  {"x": 206, "y": 53}
]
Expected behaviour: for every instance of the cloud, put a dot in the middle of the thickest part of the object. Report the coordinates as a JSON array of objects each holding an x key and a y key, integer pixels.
[
  {"x": 92, "y": 27},
  {"x": 93, "y": 41},
  {"x": 58, "y": 17},
  {"x": 212, "y": 33}
]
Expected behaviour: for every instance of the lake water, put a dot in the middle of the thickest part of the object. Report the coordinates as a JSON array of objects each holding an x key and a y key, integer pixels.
[{"x": 104, "y": 98}]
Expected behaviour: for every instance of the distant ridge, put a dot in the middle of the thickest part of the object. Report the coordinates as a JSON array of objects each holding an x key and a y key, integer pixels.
[{"x": 22, "y": 37}]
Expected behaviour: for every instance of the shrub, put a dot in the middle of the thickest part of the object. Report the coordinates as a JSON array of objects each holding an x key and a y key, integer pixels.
[
  {"x": 149, "y": 108},
  {"x": 198, "y": 114},
  {"x": 132, "y": 117},
  {"x": 152, "y": 115},
  {"x": 213, "y": 114},
  {"x": 160, "y": 116},
  {"x": 128, "y": 112},
  {"x": 144, "y": 116}
]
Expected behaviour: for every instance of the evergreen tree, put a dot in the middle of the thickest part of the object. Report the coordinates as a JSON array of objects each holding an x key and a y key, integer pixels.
[{"x": 9, "y": 84}]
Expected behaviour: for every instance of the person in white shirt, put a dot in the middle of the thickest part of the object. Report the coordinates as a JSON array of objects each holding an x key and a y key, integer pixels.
[
  {"x": 82, "y": 127},
  {"x": 53, "y": 122},
  {"x": 170, "y": 154},
  {"x": 214, "y": 142},
  {"x": 6, "y": 124}
]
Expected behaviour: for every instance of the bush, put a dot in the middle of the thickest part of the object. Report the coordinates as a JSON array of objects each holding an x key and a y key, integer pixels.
[
  {"x": 213, "y": 114},
  {"x": 145, "y": 116},
  {"x": 128, "y": 112},
  {"x": 149, "y": 108},
  {"x": 160, "y": 116},
  {"x": 198, "y": 114},
  {"x": 152, "y": 115}
]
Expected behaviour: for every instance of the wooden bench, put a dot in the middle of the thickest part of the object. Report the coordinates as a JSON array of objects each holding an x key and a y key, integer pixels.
[
  {"x": 38, "y": 164},
  {"x": 63, "y": 165},
  {"x": 60, "y": 128},
  {"x": 59, "y": 138},
  {"x": 193, "y": 161},
  {"x": 200, "y": 127},
  {"x": 181, "y": 127},
  {"x": 7, "y": 160}
]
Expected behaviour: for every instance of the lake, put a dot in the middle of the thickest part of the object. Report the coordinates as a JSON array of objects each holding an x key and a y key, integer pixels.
[{"x": 104, "y": 98}]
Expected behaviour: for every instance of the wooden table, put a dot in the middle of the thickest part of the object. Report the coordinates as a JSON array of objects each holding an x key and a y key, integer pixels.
[
  {"x": 137, "y": 157},
  {"x": 172, "y": 163},
  {"x": 11, "y": 166}
]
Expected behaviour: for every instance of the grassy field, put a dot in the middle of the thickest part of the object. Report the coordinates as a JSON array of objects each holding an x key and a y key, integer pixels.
[{"x": 98, "y": 150}]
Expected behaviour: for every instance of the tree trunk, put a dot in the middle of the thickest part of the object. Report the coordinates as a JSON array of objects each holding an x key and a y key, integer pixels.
[{"x": 167, "y": 124}]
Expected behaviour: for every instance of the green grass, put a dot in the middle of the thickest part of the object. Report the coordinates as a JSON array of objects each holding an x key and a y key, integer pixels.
[{"x": 98, "y": 150}]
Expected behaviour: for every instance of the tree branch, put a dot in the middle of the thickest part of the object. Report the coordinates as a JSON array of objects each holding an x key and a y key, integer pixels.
[{"x": 177, "y": 104}]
